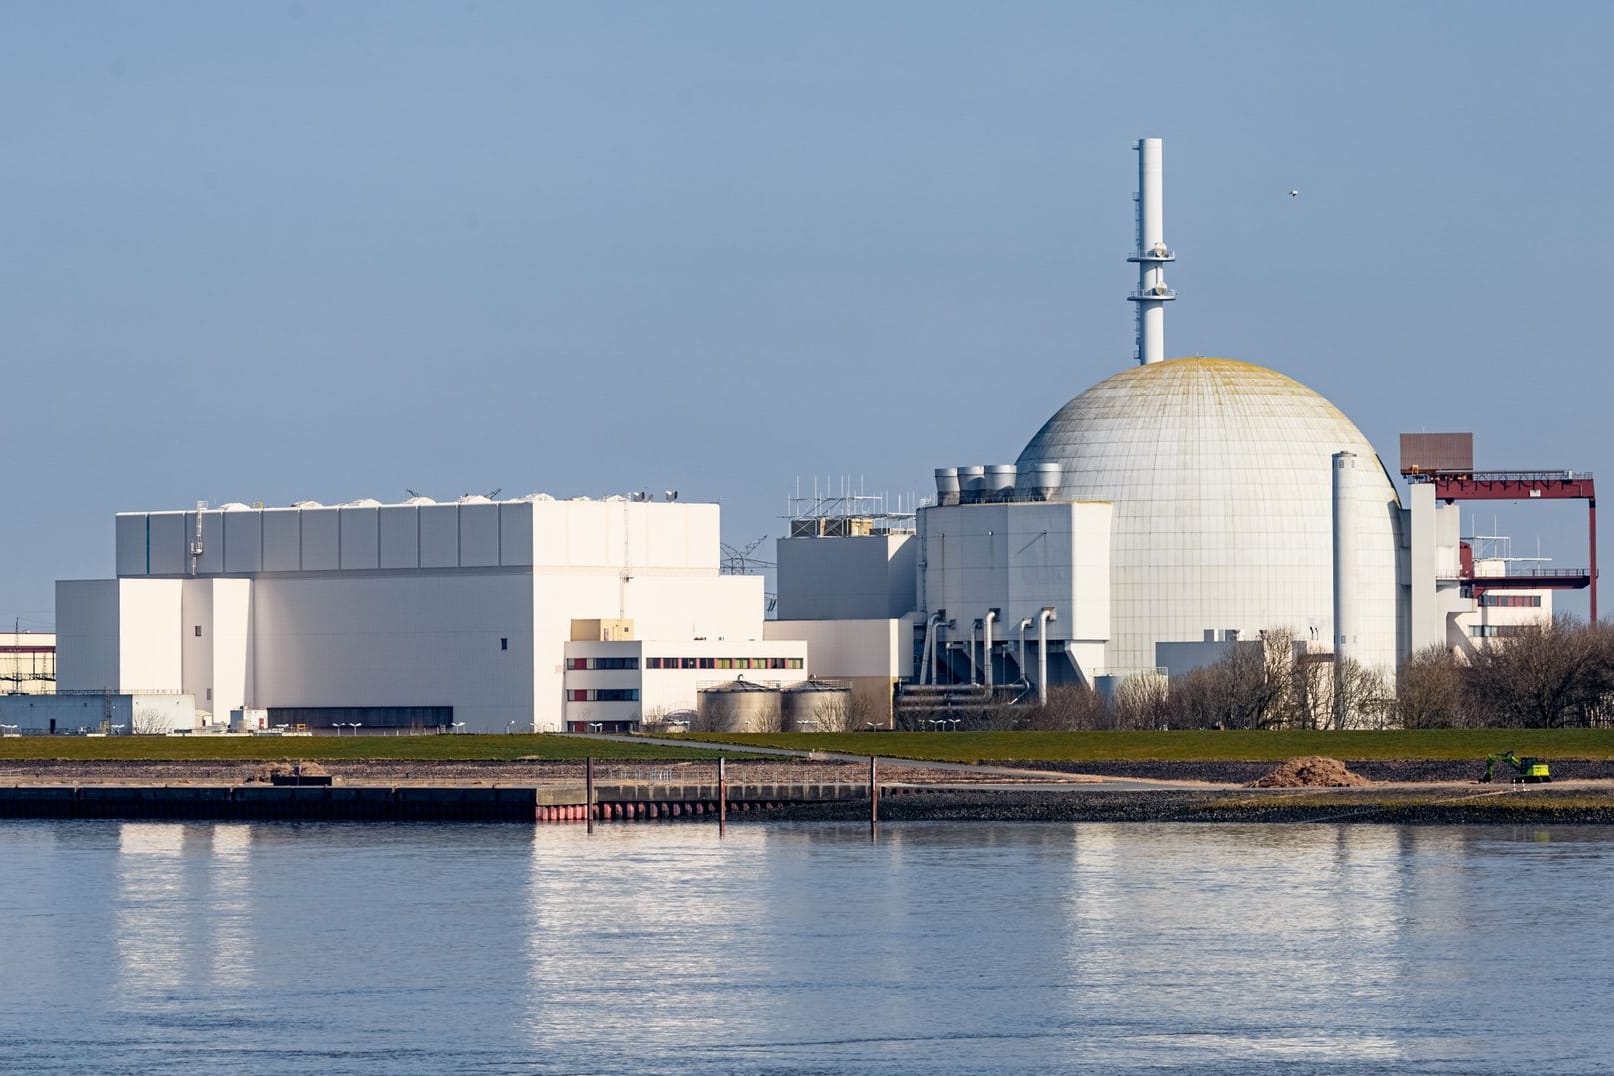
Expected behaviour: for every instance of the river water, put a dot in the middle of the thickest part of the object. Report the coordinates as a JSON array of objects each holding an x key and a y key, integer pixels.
[{"x": 284, "y": 947}]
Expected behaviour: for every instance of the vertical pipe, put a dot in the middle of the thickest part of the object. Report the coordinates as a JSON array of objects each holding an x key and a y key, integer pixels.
[
  {"x": 1025, "y": 622},
  {"x": 1043, "y": 617},
  {"x": 1346, "y": 586},
  {"x": 986, "y": 645},
  {"x": 1591, "y": 516},
  {"x": 588, "y": 791},
  {"x": 927, "y": 659},
  {"x": 974, "y": 679}
]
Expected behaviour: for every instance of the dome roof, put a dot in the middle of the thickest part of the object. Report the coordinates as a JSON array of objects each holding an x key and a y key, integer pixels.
[
  {"x": 1189, "y": 413},
  {"x": 1221, "y": 477}
]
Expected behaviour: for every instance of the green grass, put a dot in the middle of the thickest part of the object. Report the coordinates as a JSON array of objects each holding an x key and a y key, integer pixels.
[
  {"x": 1431, "y": 744},
  {"x": 268, "y": 748}
]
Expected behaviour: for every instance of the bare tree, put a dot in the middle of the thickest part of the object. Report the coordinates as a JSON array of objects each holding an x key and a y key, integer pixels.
[
  {"x": 1429, "y": 690},
  {"x": 1070, "y": 707},
  {"x": 1142, "y": 701},
  {"x": 843, "y": 711},
  {"x": 149, "y": 721},
  {"x": 1545, "y": 675},
  {"x": 1361, "y": 695},
  {"x": 1249, "y": 688}
]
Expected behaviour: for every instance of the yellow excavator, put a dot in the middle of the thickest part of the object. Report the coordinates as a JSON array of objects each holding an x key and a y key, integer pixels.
[{"x": 1527, "y": 771}]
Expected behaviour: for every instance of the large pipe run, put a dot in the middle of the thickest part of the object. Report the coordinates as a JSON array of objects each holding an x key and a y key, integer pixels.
[
  {"x": 1043, "y": 617},
  {"x": 986, "y": 646},
  {"x": 1152, "y": 253},
  {"x": 928, "y": 658},
  {"x": 1346, "y": 624},
  {"x": 974, "y": 624},
  {"x": 1025, "y": 622}
]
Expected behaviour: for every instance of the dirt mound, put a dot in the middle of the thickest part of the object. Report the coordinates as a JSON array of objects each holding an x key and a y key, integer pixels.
[
  {"x": 1312, "y": 772},
  {"x": 264, "y": 774}
]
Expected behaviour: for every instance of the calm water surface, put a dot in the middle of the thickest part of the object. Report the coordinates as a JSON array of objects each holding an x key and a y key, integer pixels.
[{"x": 283, "y": 947}]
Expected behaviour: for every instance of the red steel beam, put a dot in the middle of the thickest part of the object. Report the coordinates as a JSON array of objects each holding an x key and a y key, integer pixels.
[{"x": 1480, "y": 488}]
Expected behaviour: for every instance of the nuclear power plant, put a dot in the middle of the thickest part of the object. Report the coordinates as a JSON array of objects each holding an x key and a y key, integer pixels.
[{"x": 1172, "y": 511}]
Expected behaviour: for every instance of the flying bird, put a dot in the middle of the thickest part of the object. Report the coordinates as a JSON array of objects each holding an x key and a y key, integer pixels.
[{"x": 1294, "y": 194}]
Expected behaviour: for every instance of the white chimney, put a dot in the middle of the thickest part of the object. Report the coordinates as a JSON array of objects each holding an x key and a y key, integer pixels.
[{"x": 1152, "y": 254}]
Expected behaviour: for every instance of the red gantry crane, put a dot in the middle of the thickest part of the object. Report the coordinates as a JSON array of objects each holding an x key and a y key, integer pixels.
[{"x": 1439, "y": 458}]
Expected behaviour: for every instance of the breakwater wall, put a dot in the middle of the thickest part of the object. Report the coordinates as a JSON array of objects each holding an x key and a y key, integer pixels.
[{"x": 627, "y": 802}]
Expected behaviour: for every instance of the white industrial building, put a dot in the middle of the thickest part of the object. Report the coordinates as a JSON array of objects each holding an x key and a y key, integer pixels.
[
  {"x": 409, "y": 615},
  {"x": 1163, "y": 515},
  {"x": 1168, "y": 512}
]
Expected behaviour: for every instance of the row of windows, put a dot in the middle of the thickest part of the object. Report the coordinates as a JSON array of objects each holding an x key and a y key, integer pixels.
[
  {"x": 603, "y": 694},
  {"x": 723, "y": 663},
  {"x": 1493, "y": 631},
  {"x": 602, "y": 663},
  {"x": 1511, "y": 601}
]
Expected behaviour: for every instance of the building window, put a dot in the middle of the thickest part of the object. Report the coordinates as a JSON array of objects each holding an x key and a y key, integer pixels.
[
  {"x": 604, "y": 694},
  {"x": 1510, "y": 601},
  {"x": 198, "y": 631},
  {"x": 1493, "y": 631}
]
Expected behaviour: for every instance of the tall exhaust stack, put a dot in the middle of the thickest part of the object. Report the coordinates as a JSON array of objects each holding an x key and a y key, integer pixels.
[{"x": 1152, "y": 255}]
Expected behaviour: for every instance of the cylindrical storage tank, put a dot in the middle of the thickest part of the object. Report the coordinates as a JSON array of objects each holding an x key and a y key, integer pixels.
[
  {"x": 947, "y": 485},
  {"x": 1038, "y": 481},
  {"x": 973, "y": 483},
  {"x": 1000, "y": 481},
  {"x": 815, "y": 706},
  {"x": 739, "y": 706}
]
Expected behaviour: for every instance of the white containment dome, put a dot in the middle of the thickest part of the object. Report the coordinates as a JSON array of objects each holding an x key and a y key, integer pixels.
[{"x": 1221, "y": 477}]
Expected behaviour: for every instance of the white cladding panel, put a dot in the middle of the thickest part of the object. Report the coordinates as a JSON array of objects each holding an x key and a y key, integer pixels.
[
  {"x": 400, "y": 537},
  {"x": 360, "y": 538},
  {"x": 439, "y": 535},
  {"x": 169, "y": 543},
  {"x": 479, "y": 535},
  {"x": 844, "y": 649},
  {"x": 87, "y": 634},
  {"x": 243, "y": 542},
  {"x": 131, "y": 544},
  {"x": 515, "y": 534},
  {"x": 322, "y": 539},
  {"x": 399, "y": 640},
  {"x": 855, "y": 578},
  {"x": 282, "y": 540},
  {"x": 1018, "y": 558},
  {"x": 149, "y": 633},
  {"x": 231, "y": 668}
]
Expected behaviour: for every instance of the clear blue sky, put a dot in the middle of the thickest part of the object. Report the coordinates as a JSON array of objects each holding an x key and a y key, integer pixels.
[{"x": 299, "y": 250}]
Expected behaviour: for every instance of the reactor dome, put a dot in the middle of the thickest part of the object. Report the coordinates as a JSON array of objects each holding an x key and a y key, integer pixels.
[{"x": 1221, "y": 478}]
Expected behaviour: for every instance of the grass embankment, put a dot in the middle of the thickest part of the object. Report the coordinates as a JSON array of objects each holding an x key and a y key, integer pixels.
[
  {"x": 334, "y": 748},
  {"x": 1413, "y": 745}
]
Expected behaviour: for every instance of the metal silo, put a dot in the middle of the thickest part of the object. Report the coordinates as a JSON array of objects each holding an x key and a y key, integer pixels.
[
  {"x": 739, "y": 706},
  {"x": 815, "y": 706}
]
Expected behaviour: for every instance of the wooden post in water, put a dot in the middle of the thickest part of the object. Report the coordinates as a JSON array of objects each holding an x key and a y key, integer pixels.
[
  {"x": 874, "y": 797},
  {"x": 722, "y": 795},
  {"x": 588, "y": 791}
]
